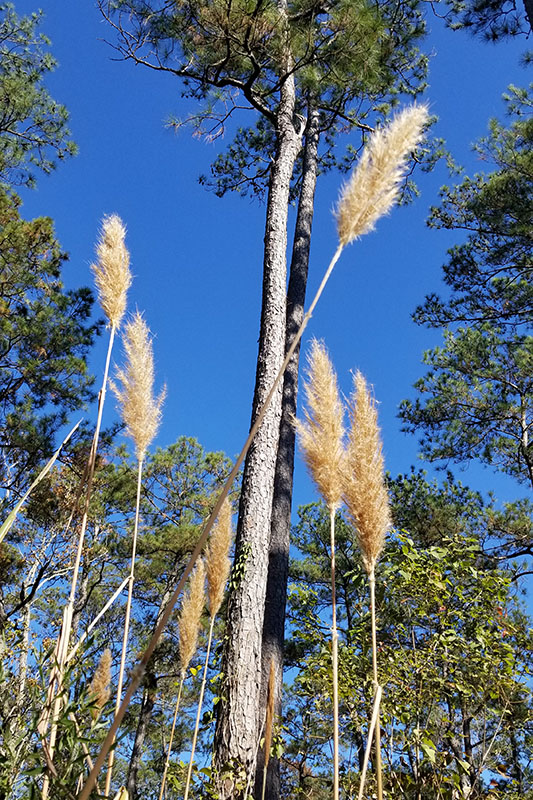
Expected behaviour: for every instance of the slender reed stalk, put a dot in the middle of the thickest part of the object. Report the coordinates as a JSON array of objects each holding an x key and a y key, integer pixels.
[
  {"x": 112, "y": 278},
  {"x": 189, "y": 626},
  {"x": 366, "y": 497},
  {"x": 345, "y": 237},
  {"x": 141, "y": 413},
  {"x": 321, "y": 439},
  {"x": 218, "y": 566}
]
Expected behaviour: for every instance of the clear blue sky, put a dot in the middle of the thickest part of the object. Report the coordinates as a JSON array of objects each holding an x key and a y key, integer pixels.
[{"x": 198, "y": 259}]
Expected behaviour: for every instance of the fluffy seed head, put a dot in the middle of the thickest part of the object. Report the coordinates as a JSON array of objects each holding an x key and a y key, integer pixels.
[
  {"x": 374, "y": 185},
  {"x": 218, "y": 563},
  {"x": 112, "y": 269},
  {"x": 99, "y": 687},
  {"x": 190, "y": 615},
  {"x": 365, "y": 494},
  {"x": 322, "y": 431},
  {"x": 141, "y": 412}
]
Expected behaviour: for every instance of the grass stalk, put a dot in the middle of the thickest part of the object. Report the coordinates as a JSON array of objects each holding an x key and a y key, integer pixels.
[
  {"x": 199, "y": 709},
  {"x": 373, "y": 722},
  {"x": 334, "y": 660},
  {"x": 127, "y": 619},
  {"x": 377, "y": 730},
  {"x": 169, "y": 751}
]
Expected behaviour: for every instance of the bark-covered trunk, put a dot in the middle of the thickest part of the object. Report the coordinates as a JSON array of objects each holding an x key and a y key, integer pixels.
[
  {"x": 239, "y": 721},
  {"x": 278, "y": 557}
]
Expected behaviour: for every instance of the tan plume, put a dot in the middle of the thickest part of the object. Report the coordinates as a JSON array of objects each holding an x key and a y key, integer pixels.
[
  {"x": 374, "y": 185},
  {"x": 141, "y": 412},
  {"x": 365, "y": 493},
  {"x": 322, "y": 432},
  {"x": 99, "y": 688},
  {"x": 218, "y": 563},
  {"x": 190, "y": 615},
  {"x": 112, "y": 269}
]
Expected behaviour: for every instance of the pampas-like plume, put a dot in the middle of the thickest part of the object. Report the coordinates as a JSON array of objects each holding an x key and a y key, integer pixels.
[
  {"x": 190, "y": 614},
  {"x": 99, "y": 687},
  {"x": 112, "y": 270},
  {"x": 140, "y": 410},
  {"x": 373, "y": 188},
  {"x": 322, "y": 432},
  {"x": 364, "y": 487},
  {"x": 218, "y": 563}
]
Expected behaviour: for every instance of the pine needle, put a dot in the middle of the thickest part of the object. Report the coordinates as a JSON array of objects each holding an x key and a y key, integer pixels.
[{"x": 374, "y": 185}]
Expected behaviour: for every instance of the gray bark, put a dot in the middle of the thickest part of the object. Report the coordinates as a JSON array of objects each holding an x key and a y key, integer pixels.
[
  {"x": 278, "y": 557},
  {"x": 145, "y": 714},
  {"x": 239, "y": 721}
]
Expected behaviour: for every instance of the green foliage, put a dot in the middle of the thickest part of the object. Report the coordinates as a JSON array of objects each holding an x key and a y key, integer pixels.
[
  {"x": 492, "y": 19},
  {"x": 476, "y": 399},
  {"x": 45, "y": 336},
  {"x": 33, "y": 127},
  {"x": 454, "y": 656}
]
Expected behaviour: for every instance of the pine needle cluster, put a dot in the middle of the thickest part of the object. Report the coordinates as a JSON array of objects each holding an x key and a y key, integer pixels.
[
  {"x": 218, "y": 562},
  {"x": 374, "y": 186},
  {"x": 99, "y": 687},
  {"x": 141, "y": 412},
  {"x": 190, "y": 615},
  {"x": 321, "y": 434},
  {"x": 365, "y": 493},
  {"x": 112, "y": 274}
]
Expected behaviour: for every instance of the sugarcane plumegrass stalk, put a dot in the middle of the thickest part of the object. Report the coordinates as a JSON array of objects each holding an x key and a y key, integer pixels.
[
  {"x": 141, "y": 413},
  {"x": 321, "y": 440},
  {"x": 367, "y": 501},
  {"x": 190, "y": 615},
  {"x": 375, "y": 183},
  {"x": 218, "y": 566},
  {"x": 111, "y": 270}
]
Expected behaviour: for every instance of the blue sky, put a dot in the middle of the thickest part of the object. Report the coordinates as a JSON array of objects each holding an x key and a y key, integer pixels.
[{"x": 197, "y": 259}]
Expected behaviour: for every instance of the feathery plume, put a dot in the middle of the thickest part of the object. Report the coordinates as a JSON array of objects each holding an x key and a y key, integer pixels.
[
  {"x": 190, "y": 614},
  {"x": 322, "y": 432},
  {"x": 112, "y": 270},
  {"x": 374, "y": 185},
  {"x": 364, "y": 487},
  {"x": 218, "y": 563},
  {"x": 140, "y": 410},
  {"x": 99, "y": 687}
]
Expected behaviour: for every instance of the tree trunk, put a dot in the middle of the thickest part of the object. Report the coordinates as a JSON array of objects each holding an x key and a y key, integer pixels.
[
  {"x": 239, "y": 720},
  {"x": 278, "y": 557}
]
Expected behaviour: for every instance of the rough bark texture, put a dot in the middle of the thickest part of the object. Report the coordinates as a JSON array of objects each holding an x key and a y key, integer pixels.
[
  {"x": 239, "y": 720},
  {"x": 278, "y": 557}
]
